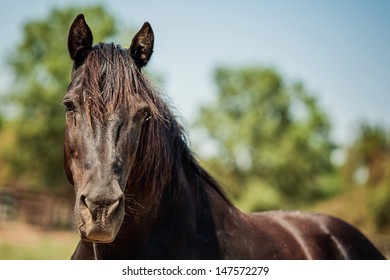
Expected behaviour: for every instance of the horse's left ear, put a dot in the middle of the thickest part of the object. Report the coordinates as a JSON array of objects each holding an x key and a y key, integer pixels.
[{"x": 141, "y": 47}]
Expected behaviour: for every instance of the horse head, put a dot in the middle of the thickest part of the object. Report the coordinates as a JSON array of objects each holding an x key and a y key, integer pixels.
[{"x": 105, "y": 113}]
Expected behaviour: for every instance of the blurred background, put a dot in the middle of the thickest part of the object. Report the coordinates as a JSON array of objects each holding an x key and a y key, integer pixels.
[{"x": 285, "y": 103}]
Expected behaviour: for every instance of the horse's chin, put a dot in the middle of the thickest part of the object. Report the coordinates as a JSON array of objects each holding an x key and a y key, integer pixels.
[
  {"x": 97, "y": 240},
  {"x": 96, "y": 234}
]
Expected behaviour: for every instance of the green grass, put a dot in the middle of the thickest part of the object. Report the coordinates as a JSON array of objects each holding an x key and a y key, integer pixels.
[{"x": 42, "y": 250}]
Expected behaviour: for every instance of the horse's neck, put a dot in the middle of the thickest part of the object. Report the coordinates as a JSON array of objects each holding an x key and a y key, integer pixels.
[
  {"x": 183, "y": 216},
  {"x": 186, "y": 217}
]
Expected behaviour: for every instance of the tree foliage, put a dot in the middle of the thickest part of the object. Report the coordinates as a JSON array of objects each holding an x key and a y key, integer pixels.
[
  {"x": 41, "y": 69},
  {"x": 368, "y": 157},
  {"x": 272, "y": 140},
  {"x": 367, "y": 166}
]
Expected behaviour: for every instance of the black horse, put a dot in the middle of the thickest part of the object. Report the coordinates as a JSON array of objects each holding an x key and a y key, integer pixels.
[{"x": 140, "y": 193}]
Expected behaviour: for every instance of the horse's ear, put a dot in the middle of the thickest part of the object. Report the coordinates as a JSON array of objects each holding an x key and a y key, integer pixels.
[
  {"x": 79, "y": 39},
  {"x": 141, "y": 47}
]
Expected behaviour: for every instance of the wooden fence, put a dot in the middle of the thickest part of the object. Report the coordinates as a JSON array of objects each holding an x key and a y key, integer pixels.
[{"x": 45, "y": 210}]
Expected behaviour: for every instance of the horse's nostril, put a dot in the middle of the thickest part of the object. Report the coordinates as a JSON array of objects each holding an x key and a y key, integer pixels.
[
  {"x": 113, "y": 207},
  {"x": 83, "y": 200}
]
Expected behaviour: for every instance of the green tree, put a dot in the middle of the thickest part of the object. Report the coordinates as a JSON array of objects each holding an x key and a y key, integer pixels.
[
  {"x": 41, "y": 69},
  {"x": 367, "y": 165},
  {"x": 271, "y": 139},
  {"x": 368, "y": 156}
]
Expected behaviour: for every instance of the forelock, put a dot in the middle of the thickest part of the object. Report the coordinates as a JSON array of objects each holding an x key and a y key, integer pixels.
[{"x": 110, "y": 79}]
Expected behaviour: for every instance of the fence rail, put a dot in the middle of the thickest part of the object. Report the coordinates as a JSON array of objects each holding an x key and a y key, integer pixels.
[{"x": 45, "y": 210}]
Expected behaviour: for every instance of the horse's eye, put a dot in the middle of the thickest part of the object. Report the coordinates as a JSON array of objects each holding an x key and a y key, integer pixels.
[
  {"x": 69, "y": 105},
  {"x": 143, "y": 114},
  {"x": 146, "y": 115}
]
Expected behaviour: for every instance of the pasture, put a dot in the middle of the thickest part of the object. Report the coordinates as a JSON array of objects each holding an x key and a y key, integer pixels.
[{"x": 22, "y": 241}]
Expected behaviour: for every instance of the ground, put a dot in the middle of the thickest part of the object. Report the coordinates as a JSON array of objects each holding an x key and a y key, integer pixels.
[{"x": 22, "y": 241}]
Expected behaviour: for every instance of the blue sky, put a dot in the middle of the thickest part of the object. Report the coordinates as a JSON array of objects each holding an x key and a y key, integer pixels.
[{"x": 339, "y": 49}]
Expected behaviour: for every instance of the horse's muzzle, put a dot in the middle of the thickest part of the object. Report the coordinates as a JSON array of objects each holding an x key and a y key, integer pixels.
[{"x": 100, "y": 216}]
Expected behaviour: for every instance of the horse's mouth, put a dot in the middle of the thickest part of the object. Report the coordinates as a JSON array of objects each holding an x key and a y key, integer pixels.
[{"x": 97, "y": 235}]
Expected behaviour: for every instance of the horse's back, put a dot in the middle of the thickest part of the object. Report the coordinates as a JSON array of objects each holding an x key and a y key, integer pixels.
[{"x": 303, "y": 235}]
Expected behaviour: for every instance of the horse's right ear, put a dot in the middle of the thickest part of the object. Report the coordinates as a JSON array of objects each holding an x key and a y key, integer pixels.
[{"x": 79, "y": 40}]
